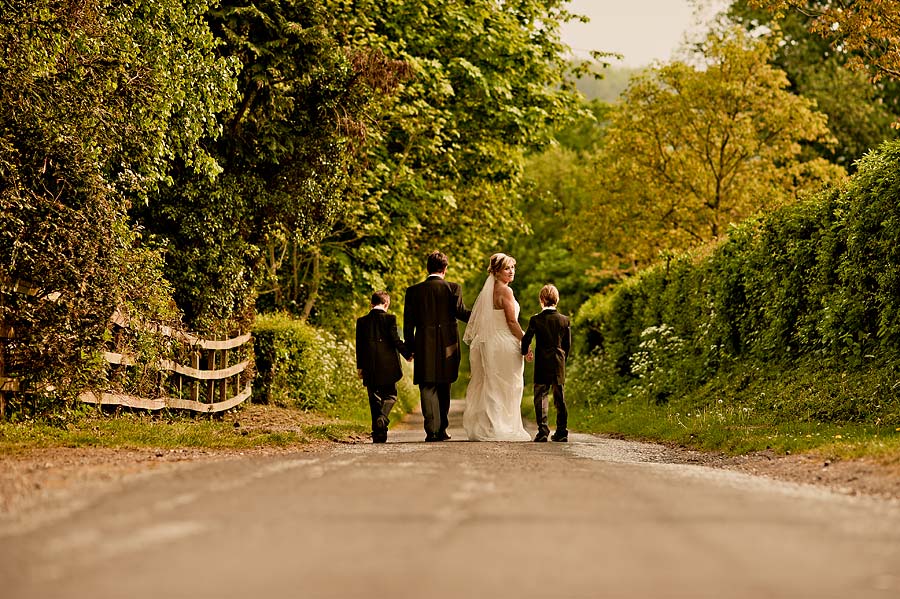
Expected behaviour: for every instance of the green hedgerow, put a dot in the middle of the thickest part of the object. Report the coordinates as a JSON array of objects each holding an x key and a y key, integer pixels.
[{"x": 301, "y": 366}]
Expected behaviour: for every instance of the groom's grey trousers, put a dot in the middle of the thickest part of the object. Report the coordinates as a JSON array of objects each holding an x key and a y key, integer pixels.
[{"x": 435, "y": 399}]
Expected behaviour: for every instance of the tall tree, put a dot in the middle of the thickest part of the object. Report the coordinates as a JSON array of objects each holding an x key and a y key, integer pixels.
[
  {"x": 866, "y": 30},
  {"x": 285, "y": 149},
  {"x": 444, "y": 165},
  {"x": 690, "y": 150},
  {"x": 860, "y": 112}
]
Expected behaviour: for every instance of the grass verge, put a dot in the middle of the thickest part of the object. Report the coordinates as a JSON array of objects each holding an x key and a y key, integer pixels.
[
  {"x": 736, "y": 432},
  {"x": 805, "y": 405},
  {"x": 248, "y": 427}
]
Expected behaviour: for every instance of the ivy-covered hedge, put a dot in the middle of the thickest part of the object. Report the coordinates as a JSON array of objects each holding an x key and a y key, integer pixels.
[
  {"x": 97, "y": 101},
  {"x": 814, "y": 286},
  {"x": 301, "y": 366}
]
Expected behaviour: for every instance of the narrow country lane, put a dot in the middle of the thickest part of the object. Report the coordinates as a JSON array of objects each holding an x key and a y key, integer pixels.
[{"x": 592, "y": 518}]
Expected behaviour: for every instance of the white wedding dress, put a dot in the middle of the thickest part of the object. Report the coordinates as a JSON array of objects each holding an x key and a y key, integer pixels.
[{"x": 494, "y": 394}]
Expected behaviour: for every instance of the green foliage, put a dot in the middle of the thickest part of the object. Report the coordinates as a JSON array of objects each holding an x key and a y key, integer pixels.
[
  {"x": 118, "y": 87},
  {"x": 870, "y": 270},
  {"x": 444, "y": 161},
  {"x": 586, "y": 133},
  {"x": 300, "y": 366},
  {"x": 807, "y": 296},
  {"x": 309, "y": 368},
  {"x": 95, "y": 99},
  {"x": 283, "y": 148},
  {"x": 690, "y": 150},
  {"x": 860, "y": 112}
]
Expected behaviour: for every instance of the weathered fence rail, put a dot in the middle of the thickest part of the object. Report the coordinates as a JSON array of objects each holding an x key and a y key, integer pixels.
[{"x": 209, "y": 384}]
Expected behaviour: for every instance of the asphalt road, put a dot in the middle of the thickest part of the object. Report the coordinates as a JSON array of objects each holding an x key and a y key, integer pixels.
[{"x": 592, "y": 518}]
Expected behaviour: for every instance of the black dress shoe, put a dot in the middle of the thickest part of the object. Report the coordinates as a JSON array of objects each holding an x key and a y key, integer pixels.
[
  {"x": 443, "y": 436},
  {"x": 381, "y": 423},
  {"x": 540, "y": 438},
  {"x": 560, "y": 438},
  {"x": 431, "y": 438}
]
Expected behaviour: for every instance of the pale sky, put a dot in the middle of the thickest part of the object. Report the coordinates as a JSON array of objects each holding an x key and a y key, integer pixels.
[{"x": 641, "y": 30}]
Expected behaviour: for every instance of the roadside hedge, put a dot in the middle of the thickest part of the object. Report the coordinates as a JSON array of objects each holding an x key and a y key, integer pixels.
[
  {"x": 301, "y": 366},
  {"x": 97, "y": 101},
  {"x": 814, "y": 286}
]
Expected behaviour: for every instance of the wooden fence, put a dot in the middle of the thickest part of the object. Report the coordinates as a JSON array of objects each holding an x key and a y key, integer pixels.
[
  {"x": 202, "y": 386},
  {"x": 8, "y": 385}
]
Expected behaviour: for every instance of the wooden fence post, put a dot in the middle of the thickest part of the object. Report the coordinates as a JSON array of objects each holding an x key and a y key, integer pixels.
[
  {"x": 217, "y": 379},
  {"x": 223, "y": 387},
  {"x": 211, "y": 385},
  {"x": 195, "y": 385}
]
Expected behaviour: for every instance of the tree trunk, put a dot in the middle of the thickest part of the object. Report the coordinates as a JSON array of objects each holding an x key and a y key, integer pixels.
[
  {"x": 313, "y": 286},
  {"x": 273, "y": 272},
  {"x": 295, "y": 273}
]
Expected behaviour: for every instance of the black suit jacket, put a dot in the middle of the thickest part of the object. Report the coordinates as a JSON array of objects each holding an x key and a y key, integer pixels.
[
  {"x": 377, "y": 344},
  {"x": 553, "y": 340},
  {"x": 430, "y": 311}
]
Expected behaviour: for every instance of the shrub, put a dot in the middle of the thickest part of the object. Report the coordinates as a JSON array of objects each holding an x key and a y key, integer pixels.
[
  {"x": 815, "y": 284},
  {"x": 82, "y": 263},
  {"x": 97, "y": 100},
  {"x": 302, "y": 366}
]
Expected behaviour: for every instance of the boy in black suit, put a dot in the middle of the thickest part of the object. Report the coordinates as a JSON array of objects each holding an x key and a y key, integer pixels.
[
  {"x": 377, "y": 363},
  {"x": 553, "y": 339}
]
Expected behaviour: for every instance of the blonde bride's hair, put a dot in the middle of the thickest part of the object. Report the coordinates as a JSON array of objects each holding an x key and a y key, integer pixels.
[{"x": 500, "y": 261}]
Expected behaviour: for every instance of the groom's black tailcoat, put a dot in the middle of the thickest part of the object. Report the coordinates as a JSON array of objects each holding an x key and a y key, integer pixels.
[
  {"x": 431, "y": 309},
  {"x": 553, "y": 340}
]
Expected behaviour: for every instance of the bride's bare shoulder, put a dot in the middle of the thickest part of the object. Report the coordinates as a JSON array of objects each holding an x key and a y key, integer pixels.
[{"x": 502, "y": 293}]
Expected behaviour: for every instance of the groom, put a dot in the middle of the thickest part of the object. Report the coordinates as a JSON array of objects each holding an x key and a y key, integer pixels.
[{"x": 431, "y": 309}]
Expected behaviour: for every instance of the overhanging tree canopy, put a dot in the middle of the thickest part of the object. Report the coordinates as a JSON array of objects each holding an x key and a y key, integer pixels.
[{"x": 445, "y": 155}]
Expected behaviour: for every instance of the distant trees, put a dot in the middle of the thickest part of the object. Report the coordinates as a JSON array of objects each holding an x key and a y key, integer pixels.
[
  {"x": 860, "y": 111},
  {"x": 690, "y": 150},
  {"x": 607, "y": 88},
  {"x": 559, "y": 184},
  {"x": 864, "y": 30}
]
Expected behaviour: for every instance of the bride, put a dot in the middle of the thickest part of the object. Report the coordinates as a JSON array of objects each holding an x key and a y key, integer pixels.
[{"x": 494, "y": 395}]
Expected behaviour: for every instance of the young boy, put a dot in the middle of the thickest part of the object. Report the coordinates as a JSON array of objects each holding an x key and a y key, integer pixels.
[
  {"x": 377, "y": 364},
  {"x": 553, "y": 339}
]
